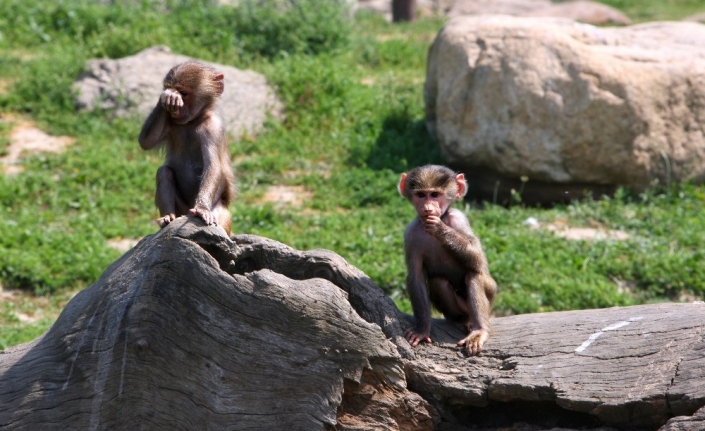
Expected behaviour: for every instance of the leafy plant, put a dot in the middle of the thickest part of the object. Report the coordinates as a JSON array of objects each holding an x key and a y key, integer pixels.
[{"x": 275, "y": 27}]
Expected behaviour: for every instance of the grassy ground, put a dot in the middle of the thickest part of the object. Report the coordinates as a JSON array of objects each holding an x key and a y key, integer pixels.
[
  {"x": 354, "y": 123},
  {"x": 658, "y": 10}
]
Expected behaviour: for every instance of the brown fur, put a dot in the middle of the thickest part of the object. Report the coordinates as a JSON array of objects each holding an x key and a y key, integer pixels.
[
  {"x": 445, "y": 260},
  {"x": 431, "y": 177}
]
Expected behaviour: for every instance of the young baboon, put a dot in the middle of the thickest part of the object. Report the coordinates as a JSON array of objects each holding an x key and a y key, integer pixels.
[
  {"x": 444, "y": 258},
  {"x": 196, "y": 176}
]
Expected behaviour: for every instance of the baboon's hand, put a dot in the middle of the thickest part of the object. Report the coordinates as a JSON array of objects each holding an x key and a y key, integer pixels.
[
  {"x": 432, "y": 224},
  {"x": 205, "y": 214},
  {"x": 474, "y": 341},
  {"x": 171, "y": 101},
  {"x": 165, "y": 220},
  {"x": 415, "y": 337}
]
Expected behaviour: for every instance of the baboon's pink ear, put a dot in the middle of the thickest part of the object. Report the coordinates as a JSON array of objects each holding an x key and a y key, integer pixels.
[
  {"x": 219, "y": 84},
  {"x": 462, "y": 185},
  {"x": 402, "y": 185}
]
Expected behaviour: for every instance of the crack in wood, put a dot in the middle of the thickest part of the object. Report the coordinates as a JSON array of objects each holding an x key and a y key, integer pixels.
[{"x": 670, "y": 385}]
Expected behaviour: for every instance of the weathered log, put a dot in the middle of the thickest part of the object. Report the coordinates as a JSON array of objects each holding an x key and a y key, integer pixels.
[
  {"x": 192, "y": 330},
  {"x": 686, "y": 423},
  {"x": 167, "y": 340},
  {"x": 625, "y": 367}
]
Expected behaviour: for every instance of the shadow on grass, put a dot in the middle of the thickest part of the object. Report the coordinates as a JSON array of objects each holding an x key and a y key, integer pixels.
[{"x": 402, "y": 144}]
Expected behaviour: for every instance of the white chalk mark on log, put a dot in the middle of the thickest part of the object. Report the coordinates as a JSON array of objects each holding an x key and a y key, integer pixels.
[
  {"x": 107, "y": 346},
  {"x": 124, "y": 362},
  {"x": 589, "y": 341},
  {"x": 616, "y": 326},
  {"x": 80, "y": 345},
  {"x": 105, "y": 359},
  {"x": 597, "y": 334}
]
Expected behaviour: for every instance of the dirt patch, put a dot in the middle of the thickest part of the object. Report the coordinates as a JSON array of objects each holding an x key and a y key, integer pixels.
[
  {"x": 371, "y": 81},
  {"x": 596, "y": 231},
  {"x": 425, "y": 37},
  {"x": 22, "y": 55},
  {"x": 588, "y": 233},
  {"x": 27, "y": 139},
  {"x": 4, "y": 85},
  {"x": 287, "y": 195},
  {"x": 628, "y": 287},
  {"x": 20, "y": 307},
  {"x": 123, "y": 244},
  {"x": 688, "y": 296},
  {"x": 321, "y": 169},
  {"x": 25, "y": 306}
]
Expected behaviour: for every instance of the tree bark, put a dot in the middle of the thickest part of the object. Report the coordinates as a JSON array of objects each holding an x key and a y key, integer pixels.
[
  {"x": 192, "y": 330},
  {"x": 403, "y": 10}
]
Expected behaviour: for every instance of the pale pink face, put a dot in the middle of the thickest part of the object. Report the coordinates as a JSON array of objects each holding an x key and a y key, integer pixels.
[{"x": 429, "y": 202}]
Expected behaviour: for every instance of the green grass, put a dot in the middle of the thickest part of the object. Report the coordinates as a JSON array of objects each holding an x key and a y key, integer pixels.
[
  {"x": 353, "y": 92},
  {"x": 24, "y": 316},
  {"x": 658, "y": 10}
]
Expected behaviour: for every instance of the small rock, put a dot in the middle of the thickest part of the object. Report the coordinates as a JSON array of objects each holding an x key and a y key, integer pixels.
[{"x": 132, "y": 85}]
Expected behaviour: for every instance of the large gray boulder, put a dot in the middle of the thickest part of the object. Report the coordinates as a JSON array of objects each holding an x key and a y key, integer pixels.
[
  {"x": 568, "y": 106},
  {"x": 586, "y": 11},
  {"x": 131, "y": 86},
  {"x": 495, "y": 7},
  {"x": 580, "y": 10}
]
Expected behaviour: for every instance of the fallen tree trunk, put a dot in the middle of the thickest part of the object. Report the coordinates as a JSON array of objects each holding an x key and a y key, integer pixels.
[
  {"x": 191, "y": 330},
  {"x": 624, "y": 367}
]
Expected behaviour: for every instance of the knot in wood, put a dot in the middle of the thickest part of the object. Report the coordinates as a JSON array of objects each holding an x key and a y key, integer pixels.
[
  {"x": 142, "y": 347},
  {"x": 244, "y": 266},
  {"x": 322, "y": 270}
]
